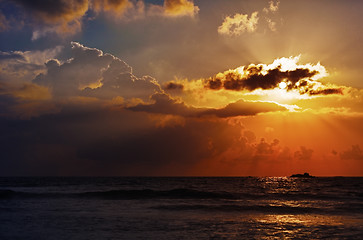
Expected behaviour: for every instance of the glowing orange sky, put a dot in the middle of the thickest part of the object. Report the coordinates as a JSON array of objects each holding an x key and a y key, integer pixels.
[{"x": 172, "y": 87}]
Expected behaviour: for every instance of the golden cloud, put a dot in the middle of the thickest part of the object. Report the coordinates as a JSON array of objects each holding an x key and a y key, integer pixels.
[
  {"x": 180, "y": 8},
  {"x": 238, "y": 24},
  {"x": 273, "y": 7},
  {"x": 116, "y": 7}
]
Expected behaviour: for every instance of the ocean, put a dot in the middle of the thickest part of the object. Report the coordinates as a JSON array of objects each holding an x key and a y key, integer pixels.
[{"x": 181, "y": 208}]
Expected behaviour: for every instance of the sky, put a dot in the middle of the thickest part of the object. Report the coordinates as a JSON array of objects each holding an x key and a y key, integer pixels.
[{"x": 181, "y": 88}]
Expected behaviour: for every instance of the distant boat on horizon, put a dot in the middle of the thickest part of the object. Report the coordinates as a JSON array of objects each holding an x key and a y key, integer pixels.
[{"x": 299, "y": 175}]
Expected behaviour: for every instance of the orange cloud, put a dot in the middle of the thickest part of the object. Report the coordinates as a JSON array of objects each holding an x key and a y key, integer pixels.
[
  {"x": 116, "y": 7},
  {"x": 32, "y": 92},
  {"x": 25, "y": 101},
  {"x": 177, "y": 8}
]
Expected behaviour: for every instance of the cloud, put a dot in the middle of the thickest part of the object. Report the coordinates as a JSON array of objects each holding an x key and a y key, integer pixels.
[
  {"x": 164, "y": 104},
  {"x": 25, "y": 101},
  {"x": 20, "y": 98},
  {"x": 273, "y": 7},
  {"x": 66, "y": 17},
  {"x": 129, "y": 10},
  {"x": 20, "y": 66},
  {"x": 283, "y": 73},
  {"x": 66, "y": 79},
  {"x": 59, "y": 16},
  {"x": 107, "y": 124},
  {"x": 89, "y": 76},
  {"x": 4, "y": 25},
  {"x": 238, "y": 24},
  {"x": 177, "y": 8},
  {"x": 245, "y": 108},
  {"x": 269, "y": 12},
  {"x": 118, "y": 7},
  {"x": 11, "y": 56},
  {"x": 92, "y": 73},
  {"x": 355, "y": 153},
  {"x": 271, "y": 25},
  {"x": 97, "y": 140},
  {"x": 264, "y": 147},
  {"x": 173, "y": 86},
  {"x": 304, "y": 153},
  {"x": 119, "y": 10},
  {"x": 100, "y": 141}
]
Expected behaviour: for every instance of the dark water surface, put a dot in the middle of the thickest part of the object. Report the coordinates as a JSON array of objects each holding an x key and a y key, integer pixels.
[{"x": 181, "y": 208}]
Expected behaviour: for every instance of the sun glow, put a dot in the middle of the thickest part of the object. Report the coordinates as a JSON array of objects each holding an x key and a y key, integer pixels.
[
  {"x": 279, "y": 95},
  {"x": 282, "y": 85}
]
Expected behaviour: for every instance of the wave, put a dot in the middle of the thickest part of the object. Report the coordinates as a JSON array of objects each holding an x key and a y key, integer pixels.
[
  {"x": 242, "y": 208},
  {"x": 179, "y": 193},
  {"x": 264, "y": 208},
  {"x": 6, "y": 194},
  {"x": 125, "y": 194}
]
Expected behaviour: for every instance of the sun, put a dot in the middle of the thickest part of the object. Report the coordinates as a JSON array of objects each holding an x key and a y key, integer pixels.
[{"x": 282, "y": 85}]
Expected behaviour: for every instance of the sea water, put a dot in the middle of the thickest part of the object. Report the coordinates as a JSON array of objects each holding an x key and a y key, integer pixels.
[{"x": 181, "y": 208}]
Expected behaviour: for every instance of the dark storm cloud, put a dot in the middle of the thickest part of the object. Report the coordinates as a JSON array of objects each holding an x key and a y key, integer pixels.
[
  {"x": 59, "y": 16},
  {"x": 53, "y": 8},
  {"x": 173, "y": 86},
  {"x": 164, "y": 104},
  {"x": 244, "y": 108},
  {"x": 99, "y": 141},
  {"x": 326, "y": 91},
  {"x": 256, "y": 78},
  {"x": 96, "y": 140}
]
